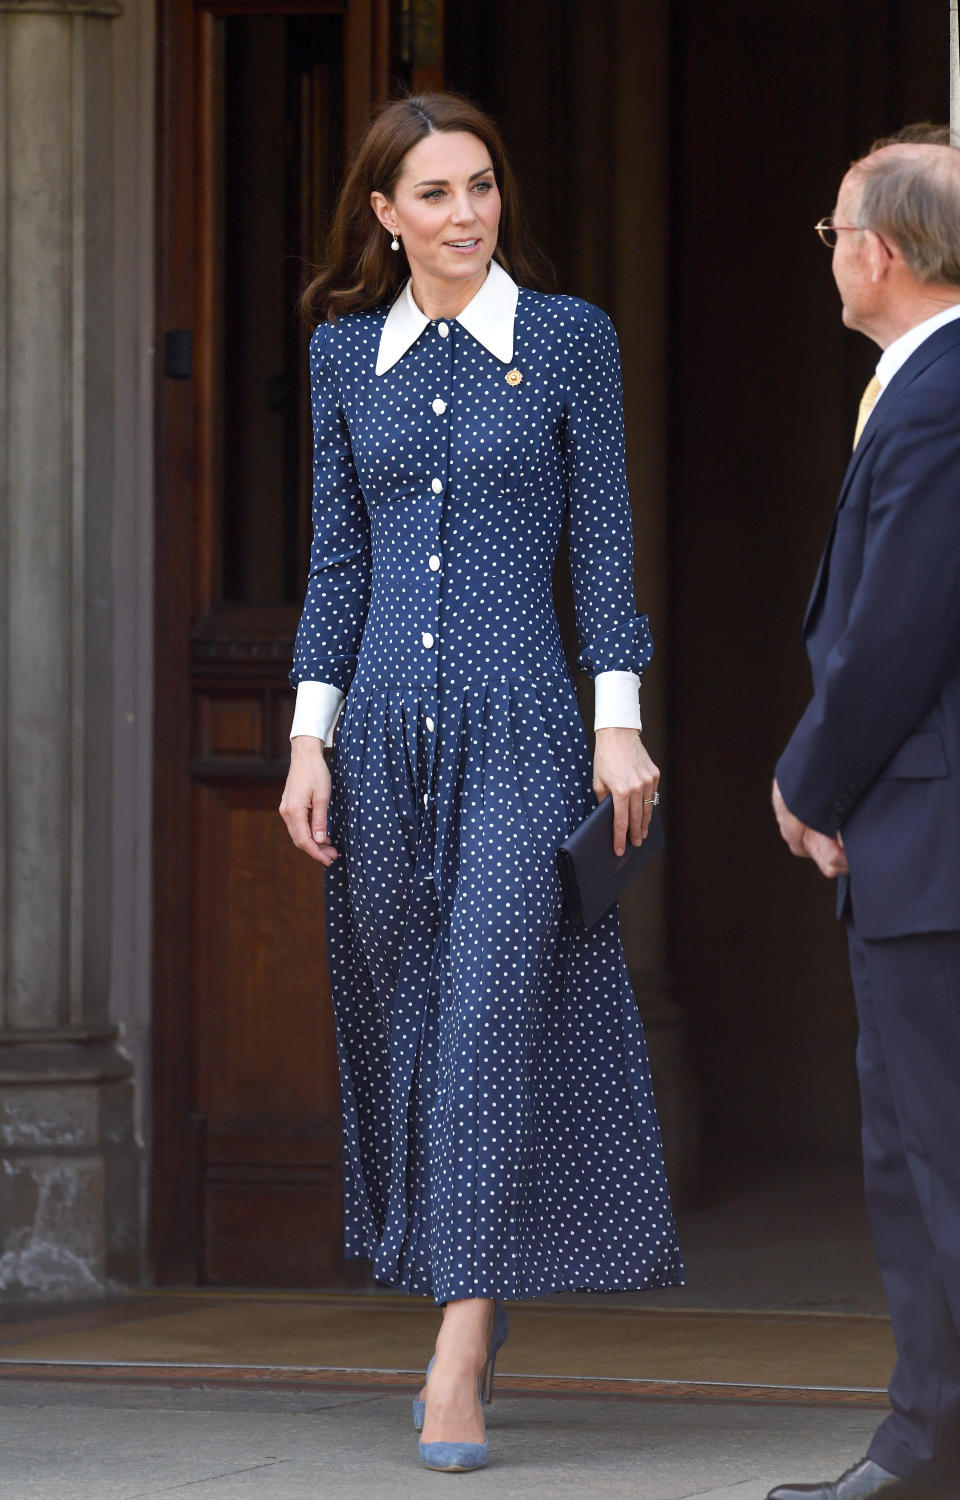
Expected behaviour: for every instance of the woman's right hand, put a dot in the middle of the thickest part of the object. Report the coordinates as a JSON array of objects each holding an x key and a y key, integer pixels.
[{"x": 306, "y": 797}]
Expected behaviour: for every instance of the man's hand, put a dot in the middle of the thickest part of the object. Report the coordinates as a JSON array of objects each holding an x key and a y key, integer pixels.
[
  {"x": 826, "y": 852},
  {"x": 792, "y": 831},
  {"x": 806, "y": 843}
]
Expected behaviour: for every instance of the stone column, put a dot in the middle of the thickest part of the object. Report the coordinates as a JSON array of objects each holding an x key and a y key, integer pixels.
[{"x": 68, "y": 1158}]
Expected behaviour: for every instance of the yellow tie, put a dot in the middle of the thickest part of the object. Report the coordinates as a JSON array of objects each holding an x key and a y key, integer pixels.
[{"x": 867, "y": 401}]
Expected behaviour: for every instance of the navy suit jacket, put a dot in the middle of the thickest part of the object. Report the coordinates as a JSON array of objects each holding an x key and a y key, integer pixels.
[{"x": 877, "y": 751}]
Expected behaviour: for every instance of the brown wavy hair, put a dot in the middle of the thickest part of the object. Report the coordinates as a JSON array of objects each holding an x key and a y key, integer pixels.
[{"x": 360, "y": 271}]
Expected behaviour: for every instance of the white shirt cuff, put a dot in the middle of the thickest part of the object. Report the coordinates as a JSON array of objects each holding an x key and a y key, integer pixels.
[
  {"x": 317, "y": 711},
  {"x": 617, "y": 701}
]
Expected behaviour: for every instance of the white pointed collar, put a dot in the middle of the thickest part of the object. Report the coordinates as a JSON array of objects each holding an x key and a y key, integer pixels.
[{"x": 488, "y": 316}]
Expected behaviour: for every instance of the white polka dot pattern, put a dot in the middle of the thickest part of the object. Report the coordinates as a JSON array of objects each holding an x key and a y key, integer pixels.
[{"x": 499, "y": 1131}]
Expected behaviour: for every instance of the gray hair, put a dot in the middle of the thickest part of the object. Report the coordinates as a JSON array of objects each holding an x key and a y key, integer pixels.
[
  {"x": 920, "y": 133},
  {"x": 912, "y": 197}
]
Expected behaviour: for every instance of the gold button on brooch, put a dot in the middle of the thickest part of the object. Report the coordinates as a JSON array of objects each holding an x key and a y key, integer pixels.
[{"x": 514, "y": 377}]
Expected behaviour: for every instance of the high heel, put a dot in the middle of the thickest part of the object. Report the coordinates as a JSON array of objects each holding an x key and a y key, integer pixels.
[
  {"x": 501, "y": 1328},
  {"x": 457, "y": 1458},
  {"x": 420, "y": 1407}
]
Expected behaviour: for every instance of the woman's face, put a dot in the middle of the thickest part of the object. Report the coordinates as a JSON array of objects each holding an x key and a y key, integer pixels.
[{"x": 445, "y": 207}]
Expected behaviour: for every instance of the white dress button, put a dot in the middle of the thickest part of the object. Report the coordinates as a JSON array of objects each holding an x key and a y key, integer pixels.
[
  {"x": 436, "y": 485},
  {"x": 426, "y": 799},
  {"x": 427, "y": 639},
  {"x": 433, "y": 563},
  {"x": 439, "y": 407},
  {"x": 430, "y": 726},
  {"x": 443, "y": 330}
]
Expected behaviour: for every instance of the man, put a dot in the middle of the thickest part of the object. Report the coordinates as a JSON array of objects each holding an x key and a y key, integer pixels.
[
  {"x": 869, "y": 784},
  {"x": 920, "y": 131}
]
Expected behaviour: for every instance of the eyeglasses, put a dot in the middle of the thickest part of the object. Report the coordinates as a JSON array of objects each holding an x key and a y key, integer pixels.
[{"x": 828, "y": 230}]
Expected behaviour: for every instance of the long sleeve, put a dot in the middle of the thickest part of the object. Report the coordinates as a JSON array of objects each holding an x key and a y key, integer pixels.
[
  {"x": 614, "y": 638},
  {"x": 616, "y": 702},
  {"x": 317, "y": 711},
  {"x": 338, "y": 585},
  {"x": 901, "y": 643}
]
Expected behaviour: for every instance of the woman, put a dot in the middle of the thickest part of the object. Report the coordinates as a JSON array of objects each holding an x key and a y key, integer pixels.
[{"x": 499, "y": 1133}]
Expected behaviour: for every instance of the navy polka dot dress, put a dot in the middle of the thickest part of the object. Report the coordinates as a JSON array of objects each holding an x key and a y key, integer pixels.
[{"x": 499, "y": 1131}]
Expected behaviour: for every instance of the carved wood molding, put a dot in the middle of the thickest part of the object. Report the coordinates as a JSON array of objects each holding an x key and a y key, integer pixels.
[
  {"x": 275, "y": 7},
  {"x": 107, "y": 8},
  {"x": 241, "y": 649}
]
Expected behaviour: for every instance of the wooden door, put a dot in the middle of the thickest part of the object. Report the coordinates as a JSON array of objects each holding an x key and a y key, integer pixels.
[{"x": 257, "y": 104}]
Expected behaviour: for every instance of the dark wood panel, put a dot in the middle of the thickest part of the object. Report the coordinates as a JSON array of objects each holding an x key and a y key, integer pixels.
[
  {"x": 246, "y": 1178},
  {"x": 230, "y": 726},
  {"x": 260, "y": 1234},
  {"x": 175, "y": 1229},
  {"x": 265, "y": 1042},
  {"x": 269, "y": 1144},
  {"x": 265, "y": 1047}
]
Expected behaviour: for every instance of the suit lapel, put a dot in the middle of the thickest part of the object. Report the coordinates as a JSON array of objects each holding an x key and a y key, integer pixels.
[
  {"x": 930, "y": 350},
  {"x": 856, "y": 458}
]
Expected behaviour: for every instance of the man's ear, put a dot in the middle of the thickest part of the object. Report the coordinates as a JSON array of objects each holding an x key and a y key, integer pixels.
[{"x": 881, "y": 256}]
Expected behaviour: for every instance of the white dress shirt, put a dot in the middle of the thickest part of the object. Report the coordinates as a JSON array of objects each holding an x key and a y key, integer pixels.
[
  {"x": 897, "y": 353},
  {"x": 489, "y": 318}
]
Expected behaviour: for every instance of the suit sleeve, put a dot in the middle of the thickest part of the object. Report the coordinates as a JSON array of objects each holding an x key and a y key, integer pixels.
[
  {"x": 902, "y": 638},
  {"x": 338, "y": 584},
  {"x": 613, "y": 636}
]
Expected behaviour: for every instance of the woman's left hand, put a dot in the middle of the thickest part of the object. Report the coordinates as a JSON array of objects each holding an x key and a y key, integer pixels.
[{"x": 623, "y": 770}]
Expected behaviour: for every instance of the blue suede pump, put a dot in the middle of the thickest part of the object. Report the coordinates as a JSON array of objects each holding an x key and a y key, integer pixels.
[
  {"x": 501, "y": 1329},
  {"x": 457, "y": 1458}
]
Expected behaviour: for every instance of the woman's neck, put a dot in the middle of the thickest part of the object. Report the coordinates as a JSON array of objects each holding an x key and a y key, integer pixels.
[{"x": 437, "y": 298}]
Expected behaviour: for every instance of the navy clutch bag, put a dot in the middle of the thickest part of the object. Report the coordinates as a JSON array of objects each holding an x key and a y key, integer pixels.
[{"x": 591, "y": 874}]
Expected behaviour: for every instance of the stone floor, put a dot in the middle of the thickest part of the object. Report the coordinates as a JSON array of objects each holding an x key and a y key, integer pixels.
[
  {"x": 790, "y": 1240},
  {"x": 592, "y": 1349},
  {"x": 75, "y": 1442}
]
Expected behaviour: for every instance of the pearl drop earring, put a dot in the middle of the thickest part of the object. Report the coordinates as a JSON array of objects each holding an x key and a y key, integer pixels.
[{"x": 395, "y": 242}]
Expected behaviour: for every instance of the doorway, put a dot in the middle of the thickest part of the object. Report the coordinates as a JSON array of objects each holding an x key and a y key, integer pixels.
[
  {"x": 246, "y": 1185},
  {"x": 258, "y": 103}
]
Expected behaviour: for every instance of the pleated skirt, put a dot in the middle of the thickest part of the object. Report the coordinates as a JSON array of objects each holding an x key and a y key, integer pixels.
[{"x": 500, "y": 1137}]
